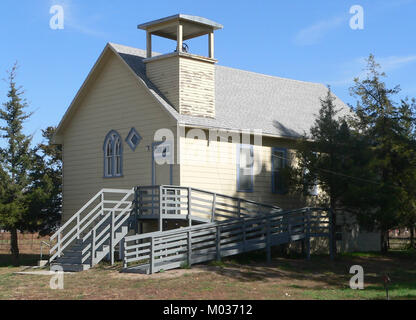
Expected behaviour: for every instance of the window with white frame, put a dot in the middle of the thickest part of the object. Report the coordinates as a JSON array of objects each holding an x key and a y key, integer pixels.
[
  {"x": 113, "y": 155},
  {"x": 245, "y": 166}
]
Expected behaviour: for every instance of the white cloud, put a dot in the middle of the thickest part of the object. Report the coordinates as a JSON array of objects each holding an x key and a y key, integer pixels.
[
  {"x": 73, "y": 22},
  {"x": 395, "y": 62},
  {"x": 355, "y": 68},
  {"x": 314, "y": 33}
]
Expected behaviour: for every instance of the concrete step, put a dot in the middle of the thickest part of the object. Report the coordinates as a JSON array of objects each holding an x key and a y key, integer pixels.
[{"x": 70, "y": 267}]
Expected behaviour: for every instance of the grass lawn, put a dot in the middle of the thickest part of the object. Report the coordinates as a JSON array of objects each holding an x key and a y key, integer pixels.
[{"x": 241, "y": 277}]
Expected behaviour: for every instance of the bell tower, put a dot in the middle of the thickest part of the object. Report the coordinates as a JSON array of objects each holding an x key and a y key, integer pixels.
[{"x": 187, "y": 80}]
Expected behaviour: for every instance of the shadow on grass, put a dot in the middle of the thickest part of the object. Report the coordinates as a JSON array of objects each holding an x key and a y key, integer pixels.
[
  {"x": 6, "y": 260},
  {"x": 320, "y": 273}
]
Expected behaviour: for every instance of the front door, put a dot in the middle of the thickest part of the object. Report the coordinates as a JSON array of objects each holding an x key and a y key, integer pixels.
[{"x": 161, "y": 166}]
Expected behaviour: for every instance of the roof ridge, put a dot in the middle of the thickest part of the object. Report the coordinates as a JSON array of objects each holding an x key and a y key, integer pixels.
[
  {"x": 241, "y": 70},
  {"x": 271, "y": 76}
]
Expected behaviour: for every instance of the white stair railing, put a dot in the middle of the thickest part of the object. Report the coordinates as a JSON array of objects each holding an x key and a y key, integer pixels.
[
  {"x": 108, "y": 234},
  {"x": 89, "y": 216}
]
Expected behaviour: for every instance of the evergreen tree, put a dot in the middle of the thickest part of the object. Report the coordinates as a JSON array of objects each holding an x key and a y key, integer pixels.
[
  {"x": 408, "y": 178},
  {"x": 45, "y": 191},
  {"x": 323, "y": 159},
  {"x": 16, "y": 159},
  {"x": 380, "y": 121}
]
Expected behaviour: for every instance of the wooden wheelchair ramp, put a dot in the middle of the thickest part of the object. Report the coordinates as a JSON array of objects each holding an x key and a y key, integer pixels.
[{"x": 164, "y": 250}]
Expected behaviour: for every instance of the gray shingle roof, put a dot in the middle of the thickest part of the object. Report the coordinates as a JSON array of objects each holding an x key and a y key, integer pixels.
[{"x": 247, "y": 100}]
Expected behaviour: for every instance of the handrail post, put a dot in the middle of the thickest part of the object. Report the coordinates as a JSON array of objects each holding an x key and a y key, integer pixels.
[
  {"x": 78, "y": 233},
  {"x": 331, "y": 242},
  {"x": 123, "y": 252},
  {"x": 268, "y": 240},
  {"x": 308, "y": 234},
  {"x": 239, "y": 207},
  {"x": 190, "y": 248},
  {"x": 93, "y": 247},
  {"x": 160, "y": 209},
  {"x": 136, "y": 210},
  {"x": 59, "y": 244},
  {"x": 218, "y": 243},
  {"x": 244, "y": 235},
  {"x": 102, "y": 203},
  {"x": 112, "y": 238},
  {"x": 152, "y": 256},
  {"x": 189, "y": 206},
  {"x": 214, "y": 203}
]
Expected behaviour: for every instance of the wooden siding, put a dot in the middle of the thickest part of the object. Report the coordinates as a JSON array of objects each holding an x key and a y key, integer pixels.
[
  {"x": 114, "y": 101},
  {"x": 164, "y": 74},
  {"x": 197, "y": 87},
  {"x": 213, "y": 167},
  {"x": 188, "y": 83}
]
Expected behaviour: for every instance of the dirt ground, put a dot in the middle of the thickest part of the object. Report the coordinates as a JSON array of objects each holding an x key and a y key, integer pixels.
[{"x": 246, "y": 277}]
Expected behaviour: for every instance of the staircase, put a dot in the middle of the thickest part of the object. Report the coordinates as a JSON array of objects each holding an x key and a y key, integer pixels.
[
  {"x": 216, "y": 226},
  {"x": 93, "y": 232}
]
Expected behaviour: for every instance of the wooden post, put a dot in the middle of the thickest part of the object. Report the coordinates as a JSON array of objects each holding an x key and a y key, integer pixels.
[
  {"x": 268, "y": 240},
  {"x": 211, "y": 45},
  {"x": 189, "y": 206},
  {"x": 78, "y": 234},
  {"x": 112, "y": 238},
  {"x": 180, "y": 37},
  {"x": 244, "y": 235},
  {"x": 148, "y": 44},
  {"x": 190, "y": 248},
  {"x": 308, "y": 235},
  {"x": 136, "y": 209},
  {"x": 218, "y": 243},
  {"x": 102, "y": 203},
  {"x": 214, "y": 201},
  {"x": 152, "y": 257},
  {"x": 331, "y": 249},
  {"x": 160, "y": 208},
  {"x": 59, "y": 244},
  {"x": 121, "y": 249},
  {"x": 93, "y": 247}
]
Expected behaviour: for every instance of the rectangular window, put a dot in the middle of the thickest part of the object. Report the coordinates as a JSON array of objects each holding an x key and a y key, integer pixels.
[
  {"x": 245, "y": 165},
  {"x": 279, "y": 161}
]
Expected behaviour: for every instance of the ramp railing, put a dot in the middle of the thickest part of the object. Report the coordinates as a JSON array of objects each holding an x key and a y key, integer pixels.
[{"x": 163, "y": 250}]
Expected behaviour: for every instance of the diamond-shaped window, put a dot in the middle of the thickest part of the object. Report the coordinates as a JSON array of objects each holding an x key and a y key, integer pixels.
[{"x": 133, "y": 139}]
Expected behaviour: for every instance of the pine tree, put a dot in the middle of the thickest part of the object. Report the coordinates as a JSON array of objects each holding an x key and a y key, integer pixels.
[
  {"x": 323, "y": 159},
  {"x": 408, "y": 178},
  {"x": 16, "y": 161},
  {"x": 45, "y": 192},
  {"x": 380, "y": 120}
]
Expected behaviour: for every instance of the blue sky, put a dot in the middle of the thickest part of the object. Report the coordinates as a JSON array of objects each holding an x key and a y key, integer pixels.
[{"x": 304, "y": 40}]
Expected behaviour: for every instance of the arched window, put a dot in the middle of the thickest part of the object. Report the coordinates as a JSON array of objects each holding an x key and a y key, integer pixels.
[{"x": 113, "y": 155}]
